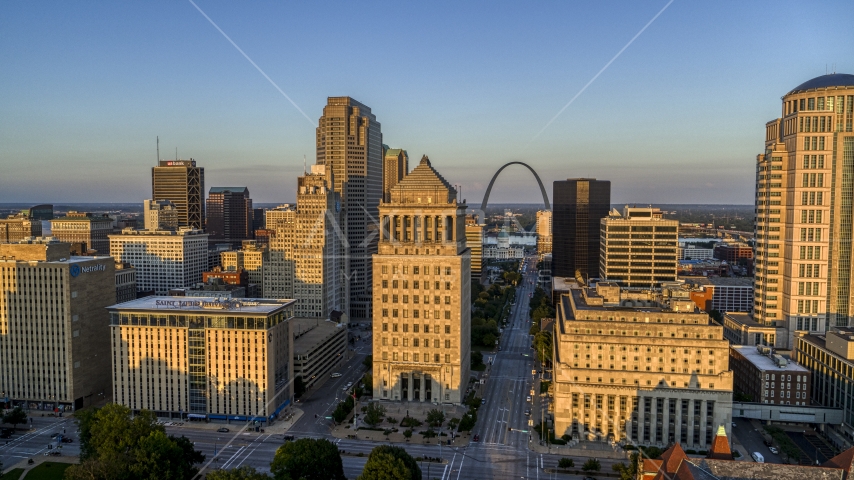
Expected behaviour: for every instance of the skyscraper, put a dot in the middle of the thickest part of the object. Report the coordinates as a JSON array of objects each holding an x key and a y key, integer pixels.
[
  {"x": 578, "y": 206},
  {"x": 803, "y": 211},
  {"x": 544, "y": 232},
  {"x": 349, "y": 144},
  {"x": 182, "y": 183},
  {"x": 422, "y": 293},
  {"x": 395, "y": 167},
  {"x": 229, "y": 215}
]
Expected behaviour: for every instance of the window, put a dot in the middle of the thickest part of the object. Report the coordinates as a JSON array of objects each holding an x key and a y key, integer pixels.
[
  {"x": 447, "y": 315},
  {"x": 385, "y": 326},
  {"x": 447, "y": 329}
]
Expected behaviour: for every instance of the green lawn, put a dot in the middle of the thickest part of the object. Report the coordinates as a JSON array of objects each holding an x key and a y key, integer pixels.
[
  {"x": 48, "y": 471},
  {"x": 14, "y": 474}
]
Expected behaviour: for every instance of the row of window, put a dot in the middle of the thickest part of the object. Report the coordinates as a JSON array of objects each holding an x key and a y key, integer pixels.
[
  {"x": 416, "y": 342},
  {"x": 415, "y": 328},
  {"x": 415, "y": 357},
  {"x": 416, "y": 270}
]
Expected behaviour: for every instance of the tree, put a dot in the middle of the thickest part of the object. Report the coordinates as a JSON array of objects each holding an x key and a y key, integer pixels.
[
  {"x": 565, "y": 463},
  {"x": 368, "y": 381},
  {"x": 115, "y": 446},
  {"x": 243, "y": 473},
  {"x": 390, "y": 463},
  {"x": 368, "y": 362},
  {"x": 717, "y": 316},
  {"x": 489, "y": 340},
  {"x": 591, "y": 465},
  {"x": 435, "y": 417},
  {"x": 308, "y": 459},
  {"x": 299, "y": 386},
  {"x": 374, "y": 414},
  {"x": 15, "y": 416},
  {"x": 476, "y": 358},
  {"x": 627, "y": 472}
]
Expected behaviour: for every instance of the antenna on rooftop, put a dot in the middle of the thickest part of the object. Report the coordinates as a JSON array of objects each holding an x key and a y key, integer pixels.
[{"x": 303, "y": 165}]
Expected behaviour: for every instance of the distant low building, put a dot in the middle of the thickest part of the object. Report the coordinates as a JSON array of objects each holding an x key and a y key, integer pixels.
[
  {"x": 741, "y": 329},
  {"x": 732, "y": 252},
  {"x": 87, "y": 228},
  {"x": 18, "y": 227},
  {"x": 724, "y": 294}
]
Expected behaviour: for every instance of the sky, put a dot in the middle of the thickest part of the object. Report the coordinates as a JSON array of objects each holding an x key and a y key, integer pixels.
[{"x": 677, "y": 117}]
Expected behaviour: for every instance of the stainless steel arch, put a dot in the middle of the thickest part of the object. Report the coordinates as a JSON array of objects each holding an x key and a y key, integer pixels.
[{"x": 489, "y": 188}]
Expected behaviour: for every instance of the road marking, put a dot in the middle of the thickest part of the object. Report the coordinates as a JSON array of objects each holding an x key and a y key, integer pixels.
[
  {"x": 460, "y": 471},
  {"x": 231, "y": 459},
  {"x": 246, "y": 457}
]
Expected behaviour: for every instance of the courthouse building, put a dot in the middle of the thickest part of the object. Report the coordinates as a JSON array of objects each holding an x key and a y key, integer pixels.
[
  {"x": 422, "y": 292},
  {"x": 645, "y": 368},
  {"x": 54, "y": 345},
  {"x": 202, "y": 358}
]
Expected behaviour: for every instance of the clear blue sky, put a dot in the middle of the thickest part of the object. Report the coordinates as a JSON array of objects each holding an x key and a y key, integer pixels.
[{"x": 677, "y": 118}]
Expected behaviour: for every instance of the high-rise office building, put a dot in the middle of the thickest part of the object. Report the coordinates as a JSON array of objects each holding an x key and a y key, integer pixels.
[
  {"x": 578, "y": 205},
  {"x": 85, "y": 228},
  {"x": 203, "y": 358},
  {"x": 395, "y": 167},
  {"x": 229, "y": 215},
  {"x": 638, "y": 248},
  {"x": 163, "y": 259},
  {"x": 278, "y": 267},
  {"x": 349, "y": 144},
  {"x": 159, "y": 215},
  {"x": 39, "y": 212},
  {"x": 54, "y": 338},
  {"x": 544, "y": 232},
  {"x": 18, "y": 227},
  {"x": 422, "y": 293},
  {"x": 803, "y": 212},
  {"x": 182, "y": 183}
]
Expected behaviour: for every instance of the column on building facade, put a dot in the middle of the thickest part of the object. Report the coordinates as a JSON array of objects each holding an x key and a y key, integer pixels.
[
  {"x": 665, "y": 422},
  {"x": 691, "y": 422},
  {"x": 641, "y": 420},
  {"x": 677, "y": 422},
  {"x": 703, "y": 419},
  {"x": 653, "y": 421}
]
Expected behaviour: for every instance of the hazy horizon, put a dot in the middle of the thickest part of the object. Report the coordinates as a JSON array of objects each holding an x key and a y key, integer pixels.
[{"x": 667, "y": 100}]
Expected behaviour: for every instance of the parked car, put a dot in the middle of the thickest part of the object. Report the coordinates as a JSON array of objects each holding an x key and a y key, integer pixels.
[
  {"x": 529, "y": 398},
  {"x": 527, "y": 413},
  {"x": 336, "y": 375},
  {"x": 222, "y": 430},
  {"x": 773, "y": 450}
]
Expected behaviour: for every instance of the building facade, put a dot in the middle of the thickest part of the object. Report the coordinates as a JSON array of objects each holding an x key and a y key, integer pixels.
[
  {"x": 395, "y": 167},
  {"x": 829, "y": 357},
  {"x": 422, "y": 293},
  {"x": 18, "y": 227},
  {"x": 724, "y": 294},
  {"x": 54, "y": 346},
  {"x": 474, "y": 240},
  {"x": 643, "y": 368},
  {"x": 229, "y": 215},
  {"x": 765, "y": 377},
  {"x": 320, "y": 346},
  {"x": 732, "y": 252},
  {"x": 638, "y": 248},
  {"x": 182, "y": 183},
  {"x": 349, "y": 145},
  {"x": 202, "y": 358},
  {"x": 82, "y": 227},
  {"x": 544, "y": 232},
  {"x": 163, "y": 259},
  {"x": 278, "y": 267},
  {"x": 125, "y": 282},
  {"x": 803, "y": 226},
  {"x": 159, "y": 215},
  {"x": 578, "y": 206}
]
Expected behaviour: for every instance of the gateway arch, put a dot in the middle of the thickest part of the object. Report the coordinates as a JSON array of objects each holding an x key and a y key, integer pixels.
[{"x": 491, "y": 182}]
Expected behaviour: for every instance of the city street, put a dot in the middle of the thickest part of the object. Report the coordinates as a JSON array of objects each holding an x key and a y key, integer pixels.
[{"x": 29, "y": 442}]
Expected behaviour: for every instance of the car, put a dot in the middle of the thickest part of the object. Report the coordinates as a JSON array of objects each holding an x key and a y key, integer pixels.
[
  {"x": 529, "y": 398},
  {"x": 527, "y": 413},
  {"x": 288, "y": 438},
  {"x": 336, "y": 375},
  {"x": 483, "y": 401},
  {"x": 499, "y": 348},
  {"x": 67, "y": 440},
  {"x": 222, "y": 430},
  {"x": 476, "y": 438},
  {"x": 53, "y": 453},
  {"x": 773, "y": 450},
  {"x": 767, "y": 443},
  {"x": 734, "y": 425}
]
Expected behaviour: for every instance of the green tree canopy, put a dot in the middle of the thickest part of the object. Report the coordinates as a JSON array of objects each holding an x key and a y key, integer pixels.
[
  {"x": 368, "y": 361},
  {"x": 435, "y": 417},
  {"x": 374, "y": 414},
  {"x": 390, "y": 463},
  {"x": 243, "y": 473},
  {"x": 115, "y": 446},
  {"x": 15, "y": 416},
  {"x": 308, "y": 459}
]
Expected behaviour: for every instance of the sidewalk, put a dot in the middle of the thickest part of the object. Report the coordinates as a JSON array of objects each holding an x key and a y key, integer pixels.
[{"x": 38, "y": 460}]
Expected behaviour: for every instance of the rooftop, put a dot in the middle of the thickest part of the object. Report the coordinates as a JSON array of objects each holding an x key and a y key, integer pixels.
[
  {"x": 825, "y": 81},
  {"x": 764, "y": 362},
  {"x": 720, "y": 281},
  {"x": 309, "y": 332},
  {"x": 229, "y": 189},
  {"x": 254, "y": 306}
]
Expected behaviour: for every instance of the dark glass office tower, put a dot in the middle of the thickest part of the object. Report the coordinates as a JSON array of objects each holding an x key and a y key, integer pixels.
[
  {"x": 229, "y": 215},
  {"x": 182, "y": 183},
  {"x": 579, "y": 204}
]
